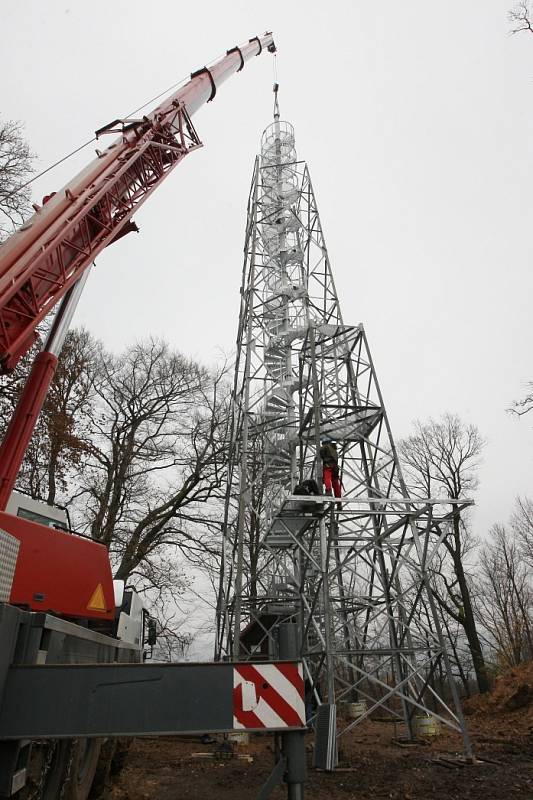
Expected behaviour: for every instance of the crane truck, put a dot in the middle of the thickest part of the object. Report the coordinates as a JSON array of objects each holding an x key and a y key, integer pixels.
[{"x": 72, "y": 678}]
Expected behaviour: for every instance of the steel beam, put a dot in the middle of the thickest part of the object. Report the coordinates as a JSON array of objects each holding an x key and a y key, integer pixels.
[{"x": 70, "y": 701}]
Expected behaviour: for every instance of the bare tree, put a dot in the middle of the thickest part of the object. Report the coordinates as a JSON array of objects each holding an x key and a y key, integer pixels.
[
  {"x": 135, "y": 445},
  {"x": 520, "y": 18},
  {"x": 505, "y": 599},
  {"x": 16, "y": 162},
  {"x": 451, "y": 608},
  {"x": 441, "y": 459},
  {"x": 157, "y": 461},
  {"x": 59, "y": 444},
  {"x": 69, "y": 403},
  {"x": 525, "y": 404},
  {"x": 522, "y": 526},
  {"x": 12, "y": 384},
  {"x": 172, "y": 644}
]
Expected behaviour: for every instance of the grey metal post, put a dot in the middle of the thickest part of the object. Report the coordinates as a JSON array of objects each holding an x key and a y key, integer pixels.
[
  {"x": 243, "y": 479},
  {"x": 324, "y": 539},
  {"x": 292, "y": 744}
]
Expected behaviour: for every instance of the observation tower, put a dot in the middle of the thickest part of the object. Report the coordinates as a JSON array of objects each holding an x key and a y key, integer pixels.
[{"x": 352, "y": 575}]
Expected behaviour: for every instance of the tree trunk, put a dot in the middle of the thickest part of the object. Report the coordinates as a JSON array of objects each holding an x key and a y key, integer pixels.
[
  {"x": 456, "y": 658},
  {"x": 469, "y": 625}
]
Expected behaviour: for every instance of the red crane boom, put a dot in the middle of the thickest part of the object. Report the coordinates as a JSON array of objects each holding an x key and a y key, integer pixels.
[{"x": 47, "y": 256}]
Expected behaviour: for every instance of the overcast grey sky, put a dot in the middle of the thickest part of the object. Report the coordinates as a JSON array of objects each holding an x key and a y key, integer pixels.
[{"x": 416, "y": 119}]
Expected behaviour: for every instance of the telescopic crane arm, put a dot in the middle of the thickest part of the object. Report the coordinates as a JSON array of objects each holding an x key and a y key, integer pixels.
[
  {"x": 47, "y": 255},
  {"x": 43, "y": 261}
]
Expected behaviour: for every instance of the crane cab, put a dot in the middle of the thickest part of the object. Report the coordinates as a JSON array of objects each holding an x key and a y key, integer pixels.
[{"x": 24, "y": 506}]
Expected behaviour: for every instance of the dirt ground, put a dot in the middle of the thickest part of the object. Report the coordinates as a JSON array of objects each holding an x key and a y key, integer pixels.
[{"x": 372, "y": 765}]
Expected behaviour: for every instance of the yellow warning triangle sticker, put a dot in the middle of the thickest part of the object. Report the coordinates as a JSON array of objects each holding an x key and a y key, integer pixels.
[{"x": 97, "y": 601}]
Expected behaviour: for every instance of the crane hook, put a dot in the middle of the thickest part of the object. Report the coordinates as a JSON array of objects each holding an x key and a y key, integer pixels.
[{"x": 276, "y": 104}]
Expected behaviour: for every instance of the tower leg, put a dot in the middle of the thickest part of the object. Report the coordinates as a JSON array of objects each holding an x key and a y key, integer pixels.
[{"x": 293, "y": 744}]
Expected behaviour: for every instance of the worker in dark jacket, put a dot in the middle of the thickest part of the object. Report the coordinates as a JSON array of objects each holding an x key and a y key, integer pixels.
[{"x": 330, "y": 466}]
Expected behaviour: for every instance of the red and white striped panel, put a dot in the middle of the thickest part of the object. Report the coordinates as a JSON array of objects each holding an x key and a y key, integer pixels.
[{"x": 268, "y": 696}]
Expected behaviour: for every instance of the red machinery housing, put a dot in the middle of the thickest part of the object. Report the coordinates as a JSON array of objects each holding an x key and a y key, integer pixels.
[{"x": 60, "y": 572}]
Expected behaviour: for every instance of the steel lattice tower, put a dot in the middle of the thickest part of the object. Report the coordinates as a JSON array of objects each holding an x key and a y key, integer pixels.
[{"x": 354, "y": 576}]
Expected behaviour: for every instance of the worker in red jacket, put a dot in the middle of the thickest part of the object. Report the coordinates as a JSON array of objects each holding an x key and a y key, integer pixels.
[{"x": 330, "y": 466}]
